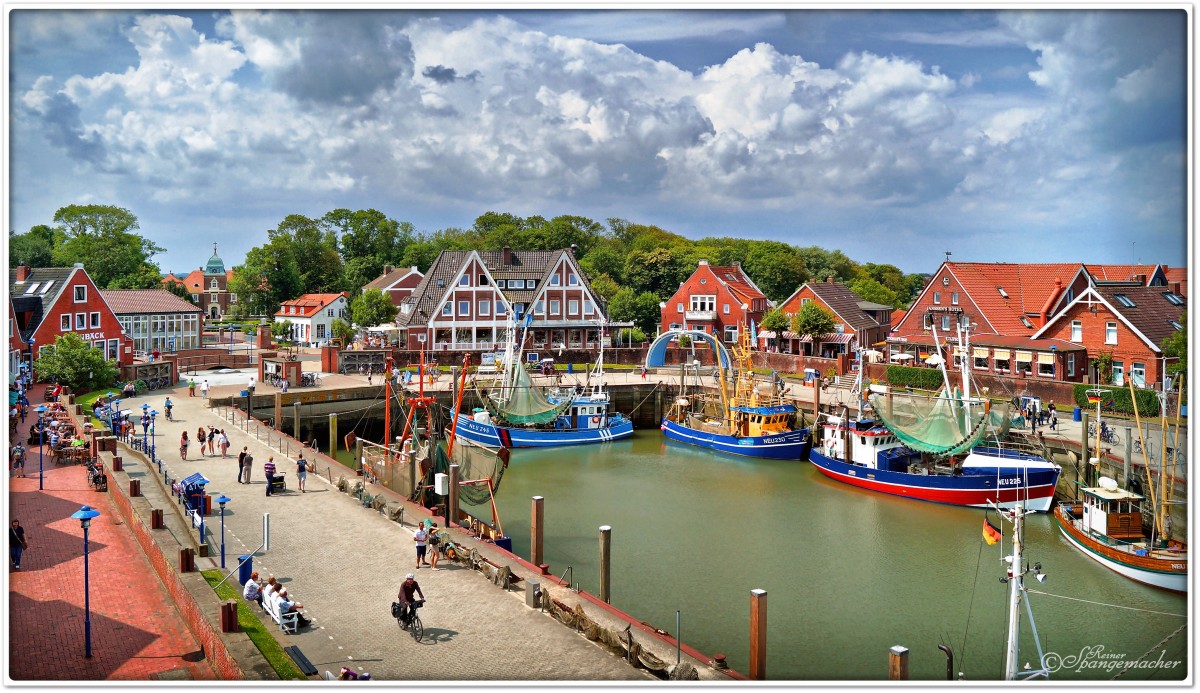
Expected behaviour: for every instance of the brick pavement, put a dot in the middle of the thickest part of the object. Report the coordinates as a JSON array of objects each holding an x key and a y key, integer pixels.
[{"x": 137, "y": 634}]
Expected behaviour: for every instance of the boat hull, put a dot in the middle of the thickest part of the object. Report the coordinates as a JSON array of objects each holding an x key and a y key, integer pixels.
[
  {"x": 793, "y": 445},
  {"x": 1035, "y": 491},
  {"x": 1162, "y": 573},
  {"x": 501, "y": 436}
]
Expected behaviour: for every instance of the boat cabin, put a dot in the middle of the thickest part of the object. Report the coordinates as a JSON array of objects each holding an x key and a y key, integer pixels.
[
  {"x": 762, "y": 421},
  {"x": 1112, "y": 513},
  {"x": 585, "y": 412},
  {"x": 870, "y": 445}
]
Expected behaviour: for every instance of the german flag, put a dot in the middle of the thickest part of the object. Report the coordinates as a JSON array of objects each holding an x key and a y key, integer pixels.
[
  {"x": 991, "y": 533},
  {"x": 1093, "y": 399}
]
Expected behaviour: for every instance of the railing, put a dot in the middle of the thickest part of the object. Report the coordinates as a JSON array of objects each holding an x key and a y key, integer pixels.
[
  {"x": 281, "y": 442},
  {"x": 700, "y": 315},
  {"x": 464, "y": 346}
]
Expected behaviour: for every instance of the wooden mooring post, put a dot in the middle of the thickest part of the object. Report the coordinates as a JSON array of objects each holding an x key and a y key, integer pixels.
[
  {"x": 536, "y": 524},
  {"x": 605, "y": 565},
  {"x": 333, "y": 438},
  {"x": 758, "y": 635},
  {"x": 898, "y": 663},
  {"x": 452, "y": 497}
]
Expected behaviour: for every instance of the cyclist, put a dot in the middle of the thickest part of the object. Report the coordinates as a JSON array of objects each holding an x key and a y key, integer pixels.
[
  {"x": 167, "y": 406},
  {"x": 1104, "y": 434},
  {"x": 408, "y": 589}
]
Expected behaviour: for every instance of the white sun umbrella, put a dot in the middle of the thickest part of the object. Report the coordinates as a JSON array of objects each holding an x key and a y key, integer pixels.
[
  {"x": 872, "y": 355},
  {"x": 935, "y": 360},
  {"x": 901, "y": 357}
]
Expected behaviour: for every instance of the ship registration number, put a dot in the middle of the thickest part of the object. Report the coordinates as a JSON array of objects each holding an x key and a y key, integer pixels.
[{"x": 1010, "y": 482}]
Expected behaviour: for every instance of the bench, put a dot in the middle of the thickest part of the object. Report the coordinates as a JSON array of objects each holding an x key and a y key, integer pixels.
[
  {"x": 306, "y": 667},
  {"x": 288, "y": 623}
]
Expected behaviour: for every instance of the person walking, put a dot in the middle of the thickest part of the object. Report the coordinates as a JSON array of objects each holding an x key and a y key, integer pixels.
[
  {"x": 212, "y": 439},
  {"x": 191, "y": 387},
  {"x": 301, "y": 471},
  {"x": 249, "y": 462},
  {"x": 183, "y": 446},
  {"x": 433, "y": 543},
  {"x": 18, "y": 459},
  {"x": 204, "y": 389},
  {"x": 223, "y": 443},
  {"x": 269, "y": 472},
  {"x": 17, "y": 544},
  {"x": 643, "y": 372},
  {"x": 241, "y": 465},
  {"x": 250, "y": 387},
  {"x": 1053, "y": 420},
  {"x": 420, "y": 537}
]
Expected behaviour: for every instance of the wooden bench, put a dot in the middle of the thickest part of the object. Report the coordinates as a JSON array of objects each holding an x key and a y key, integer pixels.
[
  {"x": 306, "y": 667},
  {"x": 288, "y": 623}
]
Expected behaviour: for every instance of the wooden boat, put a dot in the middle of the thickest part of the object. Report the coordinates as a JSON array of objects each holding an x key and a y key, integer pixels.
[{"x": 1107, "y": 527}]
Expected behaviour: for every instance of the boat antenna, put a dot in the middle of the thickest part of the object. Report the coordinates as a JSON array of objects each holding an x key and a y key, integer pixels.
[{"x": 1017, "y": 593}]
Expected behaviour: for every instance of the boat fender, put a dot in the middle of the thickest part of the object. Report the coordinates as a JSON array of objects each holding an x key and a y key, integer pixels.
[{"x": 595, "y": 419}]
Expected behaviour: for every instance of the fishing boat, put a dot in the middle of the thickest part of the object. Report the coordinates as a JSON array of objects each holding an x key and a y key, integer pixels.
[
  {"x": 751, "y": 423},
  {"x": 1108, "y": 525},
  {"x": 933, "y": 449},
  {"x": 518, "y": 413}
]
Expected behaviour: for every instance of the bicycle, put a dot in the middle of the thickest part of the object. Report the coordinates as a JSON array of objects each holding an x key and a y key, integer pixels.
[
  {"x": 1107, "y": 435},
  {"x": 413, "y": 623}
]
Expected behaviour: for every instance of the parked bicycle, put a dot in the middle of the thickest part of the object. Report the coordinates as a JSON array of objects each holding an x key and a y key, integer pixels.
[{"x": 1107, "y": 435}]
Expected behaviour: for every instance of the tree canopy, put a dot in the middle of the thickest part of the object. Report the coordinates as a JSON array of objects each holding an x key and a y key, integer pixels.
[
  {"x": 372, "y": 307},
  {"x": 75, "y": 363}
]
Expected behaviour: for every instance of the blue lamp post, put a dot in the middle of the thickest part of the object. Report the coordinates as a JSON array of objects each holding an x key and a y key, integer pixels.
[
  {"x": 153, "y": 419},
  {"x": 113, "y": 408},
  {"x": 32, "y": 341},
  {"x": 145, "y": 427},
  {"x": 222, "y": 500},
  {"x": 41, "y": 412},
  {"x": 85, "y": 515}
]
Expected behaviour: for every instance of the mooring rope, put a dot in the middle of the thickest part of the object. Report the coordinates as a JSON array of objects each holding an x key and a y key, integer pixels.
[
  {"x": 1157, "y": 645},
  {"x": 652, "y": 391},
  {"x": 1115, "y": 606}
]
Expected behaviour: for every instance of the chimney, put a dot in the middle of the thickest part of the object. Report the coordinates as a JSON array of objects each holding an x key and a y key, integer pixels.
[
  {"x": 1140, "y": 279},
  {"x": 1174, "y": 287},
  {"x": 574, "y": 250},
  {"x": 23, "y": 272},
  {"x": 829, "y": 279},
  {"x": 506, "y": 256},
  {"x": 388, "y": 269},
  {"x": 704, "y": 263}
]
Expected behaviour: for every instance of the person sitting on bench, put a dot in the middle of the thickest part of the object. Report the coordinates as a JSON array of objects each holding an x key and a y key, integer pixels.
[
  {"x": 253, "y": 590},
  {"x": 287, "y": 606}
]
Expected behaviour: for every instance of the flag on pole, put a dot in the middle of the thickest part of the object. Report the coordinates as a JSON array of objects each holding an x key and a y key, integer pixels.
[
  {"x": 753, "y": 333},
  {"x": 1093, "y": 399},
  {"x": 528, "y": 320},
  {"x": 991, "y": 533}
]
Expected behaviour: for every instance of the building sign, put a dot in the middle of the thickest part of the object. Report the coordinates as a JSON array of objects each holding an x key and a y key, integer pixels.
[
  {"x": 945, "y": 309},
  {"x": 92, "y": 336}
]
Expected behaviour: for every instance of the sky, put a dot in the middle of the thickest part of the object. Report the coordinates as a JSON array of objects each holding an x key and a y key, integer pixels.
[{"x": 891, "y": 135}]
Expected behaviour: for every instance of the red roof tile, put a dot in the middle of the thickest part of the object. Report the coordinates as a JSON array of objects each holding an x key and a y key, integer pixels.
[
  {"x": 307, "y": 305},
  {"x": 738, "y": 282},
  {"x": 132, "y": 301}
]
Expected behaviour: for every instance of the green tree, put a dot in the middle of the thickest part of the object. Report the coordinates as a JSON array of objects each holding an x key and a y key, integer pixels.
[
  {"x": 269, "y": 276},
  {"x": 340, "y": 329},
  {"x": 820, "y": 264},
  {"x": 604, "y": 287},
  {"x": 871, "y": 290},
  {"x": 102, "y": 238},
  {"x": 653, "y": 271},
  {"x": 1175, "y": 346},
  {"x": 179, "y": 290},
  {"x": 629, "y": 335},
  {"x": 775, "y": 320},
  {"x": 603, "y": 259},
  {"x": 622, "y": 307},
  {"x": 34, "y": 248},
  {"x": 282, "y": 329},
  {"x": 647, "y": 311},
  {"x": 76, "y": 363},
  {"x": 322, "y": 268},
  {"x": 367, "y": 240},
  {"x": 372, "y": 307},
  {"x": 775, "y": 268},
  {"x": 814, "y": 321}
]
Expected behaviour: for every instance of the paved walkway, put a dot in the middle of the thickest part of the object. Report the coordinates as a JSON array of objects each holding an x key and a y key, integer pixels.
[
  {"x": 136, "y": 632},
  {"x": 345, "y": 563}
]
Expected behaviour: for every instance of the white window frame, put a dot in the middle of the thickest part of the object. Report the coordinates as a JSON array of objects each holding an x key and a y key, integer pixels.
[
  {"x": 1118, "y": 373},
  {"x": 1137, "y": 372},
  {"x": 233, "y": 298},
  {"x": 81, "y": 321},
  {"x": 1077, "y": 331},
  {"x": 464, "y": 280},
  {"x": 64, "y": 322},
  {"x": 539, "y": 308},
  {"x": 725, "y": 309},
  {"x": 954, "y": 298},
  {"x": 731, "y": 332},
  {"x": 464, "y": 309},
  {"x": 530, "y": 283},
  {"x": 483, "y": 280},
  {"x": 1071, "y": 365},
  {"x": 447, "y": 309},
  {"x": 680, "y": 309},
  {"x": 573, "y": 307},
  {"x": 572, "y": 280},
  {"x": 946, "y": 321},
  {"x": 555, "y": 280},
  {"x": 94, "y": 320},
  {"x": 555, "y": 307},
  {"x": 485, "y": 308},
  {"x": 80, "y": 290},
  {"x": 196, "y": 298},
  {"x": 1110, "y": 332},
  {"x": 588, "y": 306},
  {"x": 703, "y": 303},
  {"x": 937, "y": 298}
]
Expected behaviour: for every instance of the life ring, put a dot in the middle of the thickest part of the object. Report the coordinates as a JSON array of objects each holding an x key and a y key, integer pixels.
[{"x": 595, "y": 419}]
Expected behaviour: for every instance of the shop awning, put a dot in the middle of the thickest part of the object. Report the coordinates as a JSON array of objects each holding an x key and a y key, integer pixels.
[
  {"x": 1045, "y": 358},
  {"x": 1000, "y": 354},
  {"x": 979, "y": 353},
  {"x": 1024, "y": 356},
  {"x": 843, "y": 338}
]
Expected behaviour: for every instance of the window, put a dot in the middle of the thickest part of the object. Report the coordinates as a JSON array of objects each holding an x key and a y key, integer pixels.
[
  {"x": 1001, "y": 359},
  {"x": 804, "y": 301},
  {"x": 1172, "y": 298},
  {"x": 519, "y": 309},
  {"x": 1118, "y": 368},
  {"x": 937, "y": 297},
  {"x": 1071, "y": 365},
  {"x": 441, "y": 283},
  {"x": 32, "y": 288},
  {"x": 954, "y": 298},
  {"x": 46, "y": 287},
  {"x": 731, "y": 334},
  {"x": 725, "y": 309},
  {"x": 329, "y": 313},
  {"x": 233, "y": 298},
  {"x": 320, "y": 330},
  {"x": 680, "y": 308},
  {"x": 64, "y": 322},
  {"x": 540, "y": 308},
  {"x": 196, "y": 298},
  {"x": 447, "y": 310},
  {"x": 94, "y": 320},
  {"x": 1125, "y": 300},
  {"x": 464, "y": 309},
  {"x": 1110, "y": 333},
  {"x": 1175, "y": 324},
  {"x": 113, "y": 346},
  {"x": 483, "y": 280},
  {"x": 81, "y": 294},
  {"x": 980, "y": 359},
  {"x": 1077, "y": 331},
  {"x": 555, "y": 280},
  {"x": 1002, "y": 291},
  {"x": 704, "y": 303},
  {"x": 572, "y": 307},
  {"x": 1137, "y": 373},
  {"x": 1046, "y": 365},
  {"x": 530, "y": 284},
  {"x": 421, "y": 338},
  {"x": 928, "y": 321},
  {"x": 554, "y": 307},
  {"x": 1070, "y": 295},
  {"x": 485, "y": 308},
  {"x": 1025, "y": 322},
  {"x": 572, "y": 280},
  {"x": 464, "y": 280},
  {"x": 213, "y": 285},
  {"x": 945, "y": 322},
  {"x": 587, "y": 306},
  {"x": 80, "y": 321}
]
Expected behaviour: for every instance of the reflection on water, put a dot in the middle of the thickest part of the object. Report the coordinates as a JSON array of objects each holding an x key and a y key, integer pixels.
[{"x": 849, "y": 573}]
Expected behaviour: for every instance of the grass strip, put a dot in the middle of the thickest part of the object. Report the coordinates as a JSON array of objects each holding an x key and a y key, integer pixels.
[{"x": 256, "y": 629}]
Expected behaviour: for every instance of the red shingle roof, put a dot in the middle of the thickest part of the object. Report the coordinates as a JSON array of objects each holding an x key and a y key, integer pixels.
[
  {"x": 1177, "y": 274},
  {"x": 194, "y": 281},
  {"x": 1028, "y": 287},
  {"x": 307, "y": 305},
  {"x": 739, "y": 284},
  {"x": 135, "y": 301}
]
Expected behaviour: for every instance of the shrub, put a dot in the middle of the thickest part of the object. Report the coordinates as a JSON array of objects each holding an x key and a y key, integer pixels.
[
  {"x": 918, "y": 378},
  {"x": 1116, "y": 399}
]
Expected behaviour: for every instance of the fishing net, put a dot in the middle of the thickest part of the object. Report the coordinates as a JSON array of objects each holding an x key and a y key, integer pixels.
[
  {"x": 475, "y": 463},
  {"x": 522, "y": 403},
  {"x": 939, "y": 425}
]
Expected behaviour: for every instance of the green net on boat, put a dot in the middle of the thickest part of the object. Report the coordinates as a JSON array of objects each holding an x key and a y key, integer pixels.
[
  {"x": 939, "y": 425},
  {"x": 475, "y": 463},
  {"x": 523, "y": 403}
]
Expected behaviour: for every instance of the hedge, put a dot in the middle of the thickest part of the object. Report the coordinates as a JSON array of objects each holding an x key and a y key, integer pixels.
[
  {"x": 1116, "y": 399},
  {"x": 917, "y": 378}
]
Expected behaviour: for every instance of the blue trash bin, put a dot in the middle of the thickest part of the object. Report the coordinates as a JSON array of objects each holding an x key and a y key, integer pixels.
[
  {"x": 1078, "y": 415},
  {"x": 570, "y": 368},
  {"x": 245, "y": 567}
]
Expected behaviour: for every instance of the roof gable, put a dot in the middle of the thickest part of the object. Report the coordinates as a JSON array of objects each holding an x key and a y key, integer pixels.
[
  {"x": 38, "y": 293},
  {"x": 307, "y": 305},
  {"x": 1149, "y": 317},
  {"x": 844, "y": 303},
  {"x": 390, "y": 279}
]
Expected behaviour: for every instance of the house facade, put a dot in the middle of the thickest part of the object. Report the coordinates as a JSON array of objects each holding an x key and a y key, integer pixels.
[
  {"x": 50, "y": 301},
  {"x": 1122, "y": 324},
  {"x": 311, "y": 316},
  {"x": 156, "y": 319},
  {"x": 397, "y": 283},
  {"x": 716, "y": 299},
  {"x": 857, "y": 322},
  {"x": 17, "y": 347},
  {"x": 209, "y": 287},
  {"x": 468, "y": 298}
]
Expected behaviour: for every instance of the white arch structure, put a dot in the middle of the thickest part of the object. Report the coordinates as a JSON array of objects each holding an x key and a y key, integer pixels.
[{"x": 656, "y": 356}]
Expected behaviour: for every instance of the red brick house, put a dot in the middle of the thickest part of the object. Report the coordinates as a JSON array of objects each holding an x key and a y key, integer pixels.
[
  {"x": 396, "y": 283},
  {"x": 857, "y": 322},
  {"x": 209, "y": 287},
  {"x": 1004, "y": 305},
  {"x": 718, "y": 300},
  {"x": 463, "y": 301},
  {"x": 1125, "y": 322},
  {"x": 49, "y": 301}
]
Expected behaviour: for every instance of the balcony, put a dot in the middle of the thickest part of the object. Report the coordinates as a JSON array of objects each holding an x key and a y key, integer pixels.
[{"x": 700, "y": 315}]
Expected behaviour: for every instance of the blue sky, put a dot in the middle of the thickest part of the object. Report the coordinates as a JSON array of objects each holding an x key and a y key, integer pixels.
[{"x": 892, "y": 135}]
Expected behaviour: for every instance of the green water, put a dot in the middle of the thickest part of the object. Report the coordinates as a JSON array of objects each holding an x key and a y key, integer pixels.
[{"x": 849, "y": 573}]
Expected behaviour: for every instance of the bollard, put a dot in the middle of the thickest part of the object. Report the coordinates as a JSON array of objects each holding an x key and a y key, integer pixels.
[
  {"x": 535, "y": 530},
  {"x": 229, "y": 619},
  {"x": 187, "y": 560},
  {"x": 296, "y": 420},
  {"x": 758, "y": 635},
  {"x": 533, "y": 594},
  {"x": 605, "y": 556},
  {"x": 135, "y": 488},
  {"x": 156, "y": 519},
  {"x": 898, "y": 663},
  {"x": 333, "y": 435},
  {"x": 118, "y": 465}
]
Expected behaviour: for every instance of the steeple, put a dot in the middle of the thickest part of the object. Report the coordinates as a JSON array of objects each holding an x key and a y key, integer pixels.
[{"x": 215, "y": 265}]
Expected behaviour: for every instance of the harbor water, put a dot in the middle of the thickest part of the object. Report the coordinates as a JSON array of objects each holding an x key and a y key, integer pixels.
[{"x": 848, "y": 573}]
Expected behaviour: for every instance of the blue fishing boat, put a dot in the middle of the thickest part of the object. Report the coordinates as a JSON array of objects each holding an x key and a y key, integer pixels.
[{"x": 754, "y": 422}]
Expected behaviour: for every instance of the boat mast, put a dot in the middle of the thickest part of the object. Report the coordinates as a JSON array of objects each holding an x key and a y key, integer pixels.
[
  {"x": 1016, "y": 594},
  {"x": 942, "y": 365}
]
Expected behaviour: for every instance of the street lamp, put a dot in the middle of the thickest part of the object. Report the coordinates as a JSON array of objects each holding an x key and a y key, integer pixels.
[
  {"x": 145, "y": 427},
  {"x": 222, "y": 500},
  {"x": 153, "y": 418},
  {"x": 32, "y": 341},
  {"x": 41, "y": 412},
  {"x": 112, "y": 410},
  {"x": 85, "y": 515}
]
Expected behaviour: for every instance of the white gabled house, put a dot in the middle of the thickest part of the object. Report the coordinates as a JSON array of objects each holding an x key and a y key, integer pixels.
[{"x": 312, "y": 316}]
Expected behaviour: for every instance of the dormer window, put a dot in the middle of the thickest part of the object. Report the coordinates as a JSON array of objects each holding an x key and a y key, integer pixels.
[
  {"x": 1002, "y": 291},
  {"x": 1125, "y": 300}
]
